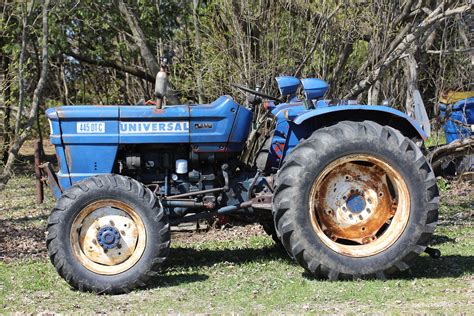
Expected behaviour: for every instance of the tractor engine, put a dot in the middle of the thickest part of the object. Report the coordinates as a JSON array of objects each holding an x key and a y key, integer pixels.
[{"x": 173, "y": 169}]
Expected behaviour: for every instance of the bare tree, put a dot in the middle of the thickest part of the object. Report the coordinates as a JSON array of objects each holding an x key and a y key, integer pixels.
[
  {"x": 403, "y": 41},
  {"x": 139, "y": 37},
  {"x": 24, "y": 130}
]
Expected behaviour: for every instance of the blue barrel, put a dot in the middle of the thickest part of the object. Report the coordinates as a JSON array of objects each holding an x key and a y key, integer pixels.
[{"x": 455, "y": 114}]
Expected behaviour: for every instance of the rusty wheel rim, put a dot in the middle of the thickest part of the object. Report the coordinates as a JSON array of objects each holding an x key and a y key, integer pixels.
[
  {"x": 359, "y": 205},
  {"x": 108, "y": 237}
]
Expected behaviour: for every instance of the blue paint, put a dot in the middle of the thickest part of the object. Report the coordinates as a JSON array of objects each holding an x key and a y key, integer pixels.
[
  {"x": 108, "y": 237},
  {"x": 314, "y": 88},
  {"x": 356, "y": 203},
  {"x": 381, "y": 109},
  {"x": 87, "y": 138},
  {"x": 461, "y": 111},
  {"x": 288, "y": 85}
]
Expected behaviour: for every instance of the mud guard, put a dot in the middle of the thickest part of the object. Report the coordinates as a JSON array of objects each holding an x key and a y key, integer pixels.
[
  {"x": 289, "y": 132},
  {"x": 364, "y": 111}
]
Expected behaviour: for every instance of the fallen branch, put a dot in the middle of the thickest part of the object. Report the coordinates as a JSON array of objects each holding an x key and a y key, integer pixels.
[
  {"x": 455, "y": 149},
  {"x": 451, "y": 51}
]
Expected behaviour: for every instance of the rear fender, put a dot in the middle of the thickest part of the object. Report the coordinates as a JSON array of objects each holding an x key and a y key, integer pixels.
[
  {"x": 383, "y": 115},
  {"x": 293, "y": 131}
]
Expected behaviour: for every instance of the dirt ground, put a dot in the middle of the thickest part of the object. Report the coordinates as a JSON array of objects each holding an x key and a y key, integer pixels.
[{"x": 22, "y": 234}]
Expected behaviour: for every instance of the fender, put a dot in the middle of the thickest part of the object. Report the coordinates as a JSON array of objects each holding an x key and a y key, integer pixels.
[
  {"x": 381, "y": 114},
  {"x": 293, "y": 125}
]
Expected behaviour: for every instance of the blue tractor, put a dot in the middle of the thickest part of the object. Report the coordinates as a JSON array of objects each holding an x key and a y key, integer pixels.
[{"x": 344, "y": 187}]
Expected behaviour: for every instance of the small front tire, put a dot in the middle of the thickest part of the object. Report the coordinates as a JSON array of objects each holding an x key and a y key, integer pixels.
[{"x": 107, "y": 234}]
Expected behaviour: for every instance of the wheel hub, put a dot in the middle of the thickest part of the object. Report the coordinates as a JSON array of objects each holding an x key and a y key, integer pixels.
[
  {"x": 355, "y": 200},
  {"x": 108, "y": 237},
  {"x": 356, "y": 203}
]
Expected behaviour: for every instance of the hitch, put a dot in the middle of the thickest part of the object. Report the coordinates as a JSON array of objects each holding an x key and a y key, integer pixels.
[{"x": 433, "y": 252}]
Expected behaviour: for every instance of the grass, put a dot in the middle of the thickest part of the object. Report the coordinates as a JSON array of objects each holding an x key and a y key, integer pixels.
[{"x": 238, "y": 270}]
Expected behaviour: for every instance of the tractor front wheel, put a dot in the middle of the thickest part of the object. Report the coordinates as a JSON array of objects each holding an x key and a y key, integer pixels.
[
  {"x": 106, "y": 234},
  {"x": 355, "y": 200}
]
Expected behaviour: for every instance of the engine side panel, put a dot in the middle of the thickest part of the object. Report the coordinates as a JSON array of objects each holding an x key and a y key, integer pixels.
[
  {"x": 211, "y": 126},
  {"x": 149, "y": 125}
]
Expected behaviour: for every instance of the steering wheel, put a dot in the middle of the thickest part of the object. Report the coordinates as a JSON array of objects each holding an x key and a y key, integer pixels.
[{"x": 254, "y": 92}]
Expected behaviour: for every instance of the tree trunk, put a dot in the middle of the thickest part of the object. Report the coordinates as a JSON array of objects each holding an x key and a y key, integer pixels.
[
  {"x": 373, "y": 94},
  {"x": 7, "y": 99},
  {"x": 197, "y": 43},
  {"x": 20, "y": 138},
  {"x": 415, "y": 106},
  {"x": 140, "y": 39},
  {"x": 21, "y": 80}
]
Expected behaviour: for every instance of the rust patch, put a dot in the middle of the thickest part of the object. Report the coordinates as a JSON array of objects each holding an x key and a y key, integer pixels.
[
  {"x": 158, "y": 111},
  {"x": 47, "y": 172},
  {"x": 336, "y": 221},
  {"x": 263, "y": 201},
  {"x": 367, "y": 224},
  {"x": 60, "y": 113},
  {"x": 58, "y": 160},
  {"x": 67, "y": 153}
]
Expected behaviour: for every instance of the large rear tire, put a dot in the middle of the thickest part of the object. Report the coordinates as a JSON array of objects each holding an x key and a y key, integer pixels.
[
  {"x": 355, "y": 200},
  {"x": 107, "y": 234}
]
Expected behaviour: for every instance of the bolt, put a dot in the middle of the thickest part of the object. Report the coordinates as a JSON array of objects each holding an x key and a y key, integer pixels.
[
  {"x": 112, "y": 223},
  {"x": 122, "y": 232}
]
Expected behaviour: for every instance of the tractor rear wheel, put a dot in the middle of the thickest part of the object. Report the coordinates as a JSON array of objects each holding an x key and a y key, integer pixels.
[
  {"x": 106, "y": 234},
  {"x": 355, "y": 200}
]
